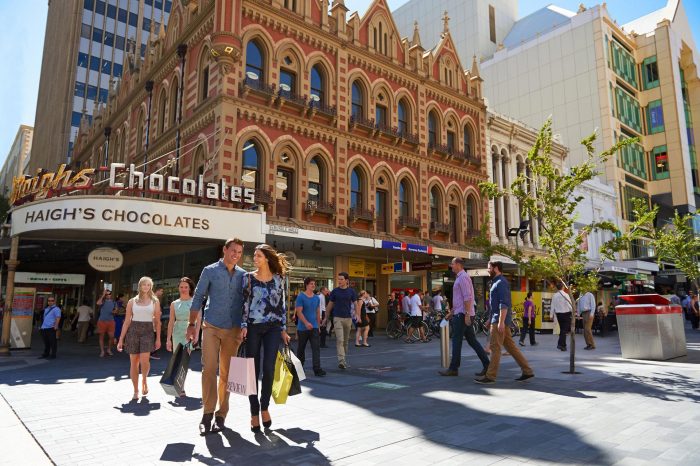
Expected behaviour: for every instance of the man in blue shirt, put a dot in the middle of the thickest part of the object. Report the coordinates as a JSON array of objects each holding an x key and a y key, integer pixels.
[
  {"x": 308, "y": 312},
  {"x": 344, "y": 304},
  {"x": 221, "y": 282},
  {"x": 52, "y": 315},
  {"x": 501, "y": 319}
]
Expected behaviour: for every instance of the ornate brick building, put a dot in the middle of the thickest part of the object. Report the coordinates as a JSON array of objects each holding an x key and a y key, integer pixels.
[{"x": 339, "y": 124}]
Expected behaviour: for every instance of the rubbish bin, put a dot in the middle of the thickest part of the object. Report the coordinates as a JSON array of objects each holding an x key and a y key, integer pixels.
[{"x": 650, "y": 327}]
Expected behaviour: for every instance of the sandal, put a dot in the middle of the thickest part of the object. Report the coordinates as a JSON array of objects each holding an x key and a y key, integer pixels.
[
  {"x": 136, "y": 396},
  {"x": 366, "y": 346},
  {"x": 407, "y": 340},
  {"x": 254, "y": 424},
  {"x": 357, "y": 346},
  {"x": 267, "y": 423}
]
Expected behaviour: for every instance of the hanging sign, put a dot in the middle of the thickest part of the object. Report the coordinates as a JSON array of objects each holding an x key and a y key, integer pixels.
[{"x": 105, "y": 259}]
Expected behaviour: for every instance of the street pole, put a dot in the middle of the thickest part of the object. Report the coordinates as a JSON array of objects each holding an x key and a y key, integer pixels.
[{"x": 12, "y": 264}]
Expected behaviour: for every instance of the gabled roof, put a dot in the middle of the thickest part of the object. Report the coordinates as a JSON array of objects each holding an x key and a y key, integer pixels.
[
  {"x": 647, "y": 23},
  {"x": 537, "y": 23}
]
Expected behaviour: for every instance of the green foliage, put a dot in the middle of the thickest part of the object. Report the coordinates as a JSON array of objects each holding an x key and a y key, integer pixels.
[
  {"x": 678, "y": 243},
  {"x": 4, "y": 207}
]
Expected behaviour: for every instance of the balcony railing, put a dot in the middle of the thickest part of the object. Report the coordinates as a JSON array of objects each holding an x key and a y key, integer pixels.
[
  {"x": 439, "y": 148},
  {"x": 439, "y": 227},
  {"x": 472, "y": 233},
  {"x": 264, "y": 197},
  {"x": 356, "y": 120},
  {"x": 323, "y": 108},
  {"x": 361, "y": 214},
  {"x": 409, "y": 222},
  {"x": 408, "y": 137},
  {"x": 320, "y": 207},
  {"x": 292, "y": 97},
  {"x": 388, "y": 130},
  {"x": 258, "y": 85}
]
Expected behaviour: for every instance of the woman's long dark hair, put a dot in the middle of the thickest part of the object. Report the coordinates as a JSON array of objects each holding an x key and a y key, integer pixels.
[{"x": 277, "y": 261}]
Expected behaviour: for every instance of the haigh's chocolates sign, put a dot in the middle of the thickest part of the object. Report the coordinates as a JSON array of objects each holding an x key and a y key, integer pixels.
[{"x": 48, "y": 184}]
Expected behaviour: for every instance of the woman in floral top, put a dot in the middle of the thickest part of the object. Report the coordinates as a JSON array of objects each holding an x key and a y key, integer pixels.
[{"x": 264, "y": 323}]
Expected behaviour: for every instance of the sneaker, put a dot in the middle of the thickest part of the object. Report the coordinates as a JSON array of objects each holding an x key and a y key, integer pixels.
[
  {"x": 319, "y": 373},
  {"x": 342, "y": 366},
  {"x": 524, "y": 377},
  {"x": 480, "y": 374},
  {"x": 449, "y": 373},
  {"x": 485, "y": 381},
  {"x": 521, "y": 343},
  {"x": 562, "y": 348},
  {"x": 589, "y": 348}
]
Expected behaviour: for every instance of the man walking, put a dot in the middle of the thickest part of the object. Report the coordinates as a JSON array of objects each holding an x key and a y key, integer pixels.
[
  {"x": 52, "y": 315},
  {"x": 501, "y": 320},
  {"x": 561, "y": 308},
  {"x": 586, "y": 309},
  {"x": 83, "y": 317},
  {"x": 105, "y": 322},
  {"x": 221, "y": 282},
  {"x": 416, "y": 309},
  {"x": 462, "y": 319},
  {"x": 344, "y": 304}
]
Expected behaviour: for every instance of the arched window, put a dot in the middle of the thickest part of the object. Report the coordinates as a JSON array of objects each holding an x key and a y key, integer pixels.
[
  {"x": 288, "y": 75},
  {"x": 251, "y": 165},
  {"x": 254, "y": 63},
  {"x": 198, "y": 161},
  {"x": 162, "y": 100},
  {"x": 356, "y": 189},
  {"x": 316, "y": 176},
  {"x": 381, "y": 111},
  {"x": 435, "y": 205},
  {"x": 139, "y": 132},
  {"x": 204, "y": 76},
  {"x": 404, "y": 117},
  {"x": 358, "y": 100},
  {"x": 432, "y": 129},
  {"x": 472, "y": 224},
  {"x": 404, "y": 199},
  {"x": 122, "y": 146},
  {"x": 318, "y": 85},
  {"x": 467, "y": 138},
  {"x": 173, "y": 102}
]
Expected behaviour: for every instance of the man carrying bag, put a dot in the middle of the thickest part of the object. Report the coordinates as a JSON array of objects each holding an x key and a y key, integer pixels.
[{"x": 241, "y": 375}]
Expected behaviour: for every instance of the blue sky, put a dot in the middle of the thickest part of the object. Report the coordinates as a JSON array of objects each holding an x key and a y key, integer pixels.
[{"x": 22, "y": 39}]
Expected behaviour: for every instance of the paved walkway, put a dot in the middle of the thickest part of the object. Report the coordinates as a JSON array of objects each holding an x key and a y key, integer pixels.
[{"x": 390, "y": 407}]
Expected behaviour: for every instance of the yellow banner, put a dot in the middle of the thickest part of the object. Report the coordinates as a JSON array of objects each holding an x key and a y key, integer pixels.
[
  {"x": 518, "y": 299},
  {"x": 387, "y": 269},
  {"x": 356, "y": 267},
  {"x": 370, "y": 270}
]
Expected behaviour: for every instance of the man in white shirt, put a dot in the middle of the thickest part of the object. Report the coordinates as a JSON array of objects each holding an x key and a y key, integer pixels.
[
  {"x": 437, "y": 302},
  {"x": 416, "y": 313},
  {"x": 405, "y": 303},
  {"x": 561, "y": 308},
  {"x": 324, "y": 324},
  {"x": 83, "y": 316},
  {"x": 586, "y": 309}
]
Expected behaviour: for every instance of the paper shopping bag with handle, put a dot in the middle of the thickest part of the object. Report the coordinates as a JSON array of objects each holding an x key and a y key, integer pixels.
[
  {"x": 173, "y": 380},
  {"x": 282, "y": 381},
  {"x": 241, "y": 376}
]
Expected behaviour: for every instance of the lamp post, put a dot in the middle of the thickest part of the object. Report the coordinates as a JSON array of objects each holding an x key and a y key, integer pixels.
[
  {"x": 181, "y": 52},
  {"x": 520, "y": 231}
]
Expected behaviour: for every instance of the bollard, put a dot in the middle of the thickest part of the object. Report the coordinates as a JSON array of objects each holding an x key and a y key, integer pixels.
[{"x": 445, "y": 346}]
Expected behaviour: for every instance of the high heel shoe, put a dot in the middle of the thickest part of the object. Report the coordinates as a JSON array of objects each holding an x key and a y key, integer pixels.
[
  {"x": 267, "y": 423},
  {"x": 253, "y": 421}
]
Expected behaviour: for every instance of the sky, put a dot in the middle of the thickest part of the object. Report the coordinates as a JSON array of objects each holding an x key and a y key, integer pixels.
[{"x": 22, "y": 42}]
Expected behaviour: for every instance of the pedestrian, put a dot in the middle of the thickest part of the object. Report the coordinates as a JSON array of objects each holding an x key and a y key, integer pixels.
[
  {"x": 220, "y": 282},
  {"x": 264, "y": 324},
  {"x": 179, "y": 317},
  {"x": 83, "y": 316},
  {"x": 437, "y": 302},
  {"x": 159, "y": 294},
  {"x": 501, "y": 320},
  {"x": 49, "y": 325},
  {"x": 561, "y": 309},
  {"x": 363, "y": 323},
  {"x": 416, "y": 312},
  {"x": 344, "y": 304},
  {"x": 141, "y": 332},
  {"x": 392, "y": 307},
  {"x": 461, "y": 318},
  {"x": 105, "y": 322},
  {"x": 694, "y": 310},
  {"x": 324, "y": 323},
  {"x": 372, "y": 306},
  {"x": 119, "y": 316},
  {"x": 528, "y": 320},
  {"x": 586, "y": 309},
  {"x": 405, "y": 304},
  {"x": 308, "y": 312}
]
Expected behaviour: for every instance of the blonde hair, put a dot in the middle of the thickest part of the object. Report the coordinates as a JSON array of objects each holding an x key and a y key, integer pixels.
[{"x": 151, "y": 295}]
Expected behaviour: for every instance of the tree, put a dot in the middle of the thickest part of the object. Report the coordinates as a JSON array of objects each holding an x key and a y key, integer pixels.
[{"x": 550, "y": 196}]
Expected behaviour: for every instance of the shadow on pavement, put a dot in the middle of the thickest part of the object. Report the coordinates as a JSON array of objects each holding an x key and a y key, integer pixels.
[
  {"x": 141, "y": 407},
  {"x": 188, "y": 402}
]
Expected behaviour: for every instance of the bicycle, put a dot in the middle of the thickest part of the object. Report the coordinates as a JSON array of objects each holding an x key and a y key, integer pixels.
[
  {"x": 398, "y": 327},
  {"x": 432, "y": 322}
]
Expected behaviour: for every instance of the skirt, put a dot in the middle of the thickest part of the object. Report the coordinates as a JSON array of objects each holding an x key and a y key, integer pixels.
[{"x": 140, "y": 338}]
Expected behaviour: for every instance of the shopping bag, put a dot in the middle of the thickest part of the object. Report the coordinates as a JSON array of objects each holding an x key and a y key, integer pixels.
[
  {"x": 282, "y": 381},
  {"x": 298, "y": 366},
  {"x": 241, "y": 376},
  {"x": 173, "y": 379}
]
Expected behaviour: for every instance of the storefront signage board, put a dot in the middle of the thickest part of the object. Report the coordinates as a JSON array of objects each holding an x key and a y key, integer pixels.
[
  {"x": 387, "y": 268},
  {"x": 105, "y": 259},
  {"x": 422, "y": 266},
  {"x": 370, "y": 270},
  {"x": 22, "y": 317},
  {"x": 50, "y": 278},
  {"x": 138, "y": 215},
  {"x": 396, "y": 246},
  {"x": 356, "y": 267}
]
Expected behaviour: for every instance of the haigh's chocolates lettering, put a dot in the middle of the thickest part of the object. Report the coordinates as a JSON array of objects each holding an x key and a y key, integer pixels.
[
  {"x": 117, "y": 215},
  {"x": 47, "y": 184}
]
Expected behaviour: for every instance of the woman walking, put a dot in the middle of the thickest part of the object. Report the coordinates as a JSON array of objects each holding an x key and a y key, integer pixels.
[
  {"x": 362, "y": 324},
  {"x": 528, "y": 320},
  {"x": 179, "y": 317},
  {"x": 142, "y": 320},
  {"x": 264, "y": 324}
]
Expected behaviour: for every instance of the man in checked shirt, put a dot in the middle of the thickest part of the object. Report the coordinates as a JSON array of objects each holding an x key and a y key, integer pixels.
[{"x": 462, "y": 316}]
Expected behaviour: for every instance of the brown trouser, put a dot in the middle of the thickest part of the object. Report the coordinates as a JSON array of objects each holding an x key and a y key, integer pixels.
[
  {"x": 82, "y": 331},
  {"x": 504, "y": 339},
  {"x": 219, "y": 345},
  {"x": 588, "y": 317}
]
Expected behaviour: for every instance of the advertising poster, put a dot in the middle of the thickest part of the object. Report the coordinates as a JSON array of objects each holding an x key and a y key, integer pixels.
[
  {"x": 22, "y": 313},
  {"x": 542, "y": 302}
]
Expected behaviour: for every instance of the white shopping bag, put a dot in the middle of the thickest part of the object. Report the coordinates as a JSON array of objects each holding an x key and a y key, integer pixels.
[
  {"x": 298, "y": 366},
  {"x": 444, "y": 323},
  {"x": 241, "y": 377}
]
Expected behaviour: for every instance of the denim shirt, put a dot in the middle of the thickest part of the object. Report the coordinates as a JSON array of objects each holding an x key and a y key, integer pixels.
[
  {"x": 224, "y": 307},
  {"x": 499, "y": 296}
]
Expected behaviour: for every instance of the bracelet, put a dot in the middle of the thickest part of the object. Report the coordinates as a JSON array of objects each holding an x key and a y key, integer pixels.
[{"x": 191, "y": 324}]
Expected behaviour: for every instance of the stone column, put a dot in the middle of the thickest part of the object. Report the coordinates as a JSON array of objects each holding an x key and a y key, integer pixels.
[{"x": 12, "y": 264}]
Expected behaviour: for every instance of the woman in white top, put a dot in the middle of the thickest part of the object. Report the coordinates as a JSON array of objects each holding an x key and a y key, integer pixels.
[{"x": 142, "y": 319}]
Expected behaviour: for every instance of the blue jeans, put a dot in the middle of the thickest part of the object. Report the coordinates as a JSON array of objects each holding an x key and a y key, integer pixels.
[
  {"x": 461, "y": 330},
  {"x": 266, "y": 337},
  {"x": 313, "y": 337}
]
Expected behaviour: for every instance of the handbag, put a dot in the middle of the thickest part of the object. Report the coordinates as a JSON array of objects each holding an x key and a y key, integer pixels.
[
  {"x": 242, "y": 379},
  {"x": 282, "y": 381},
  {"x": 301, "y": 375},
  {"x": 173, "y": 379}
]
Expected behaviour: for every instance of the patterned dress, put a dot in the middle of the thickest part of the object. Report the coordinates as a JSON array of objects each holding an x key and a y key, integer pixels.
[{"x": 182, "y": 316}]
